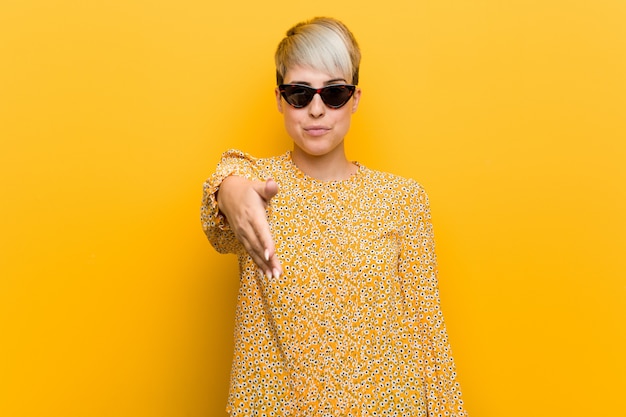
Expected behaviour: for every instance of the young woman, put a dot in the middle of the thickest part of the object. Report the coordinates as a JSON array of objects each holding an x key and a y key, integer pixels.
[{"x": 338, "y": 310}]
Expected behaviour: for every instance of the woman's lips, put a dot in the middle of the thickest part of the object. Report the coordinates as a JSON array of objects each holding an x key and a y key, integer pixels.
[{"x": 316, "y": 130}]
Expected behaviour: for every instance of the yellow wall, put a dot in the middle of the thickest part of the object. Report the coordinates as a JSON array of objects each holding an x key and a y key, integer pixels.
[{"x": 511, "y": 113}]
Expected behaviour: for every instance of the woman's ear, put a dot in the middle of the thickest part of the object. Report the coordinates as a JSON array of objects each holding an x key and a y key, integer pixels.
[
  {"x": 356, "y": 98},
  {"x": 279, "y": 101}
]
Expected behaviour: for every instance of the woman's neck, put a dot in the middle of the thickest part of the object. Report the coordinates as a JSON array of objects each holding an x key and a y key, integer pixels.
[{"x": 333, "y": 166}]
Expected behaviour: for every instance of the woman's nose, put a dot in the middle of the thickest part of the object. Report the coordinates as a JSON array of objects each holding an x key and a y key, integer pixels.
[{"x": 317, "y": 107}]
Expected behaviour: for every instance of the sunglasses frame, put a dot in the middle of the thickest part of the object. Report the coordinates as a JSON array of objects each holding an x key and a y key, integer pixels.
[{"x": 320, "y": 91}]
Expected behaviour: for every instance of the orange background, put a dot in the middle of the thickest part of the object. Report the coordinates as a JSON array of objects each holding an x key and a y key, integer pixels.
[{"x": 112, "y": 114}]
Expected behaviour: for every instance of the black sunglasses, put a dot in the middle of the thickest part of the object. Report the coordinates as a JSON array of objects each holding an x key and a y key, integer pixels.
[{"x": 333, "y": 96}]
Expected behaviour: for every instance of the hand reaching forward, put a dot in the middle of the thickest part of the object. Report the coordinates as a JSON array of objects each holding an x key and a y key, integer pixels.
[{"x": 243, "y": 203}]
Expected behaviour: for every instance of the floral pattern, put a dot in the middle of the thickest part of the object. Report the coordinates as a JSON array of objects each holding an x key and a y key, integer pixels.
[{"x": 353, "y": 327}]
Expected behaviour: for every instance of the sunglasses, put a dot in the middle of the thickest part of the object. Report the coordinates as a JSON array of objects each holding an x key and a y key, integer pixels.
[{"x": 334, "y": 96}]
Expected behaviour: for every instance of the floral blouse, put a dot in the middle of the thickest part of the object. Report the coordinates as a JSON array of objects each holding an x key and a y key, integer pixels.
[{"x": 353, "y": 326}]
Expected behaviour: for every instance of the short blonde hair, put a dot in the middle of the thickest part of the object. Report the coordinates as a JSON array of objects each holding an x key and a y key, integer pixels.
[{"x": 322, "y": 43}]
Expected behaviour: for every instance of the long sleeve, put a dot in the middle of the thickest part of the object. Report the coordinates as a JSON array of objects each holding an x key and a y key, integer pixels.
[
  {"x": 418, "y": 270},
  {"x": 214, "y": 224}
]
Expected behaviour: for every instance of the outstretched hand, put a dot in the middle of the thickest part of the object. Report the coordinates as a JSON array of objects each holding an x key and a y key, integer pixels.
[{"x": 243, "y": 203}]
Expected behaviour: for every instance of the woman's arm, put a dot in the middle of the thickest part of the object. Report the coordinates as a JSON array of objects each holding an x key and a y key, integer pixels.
[{"x": 418, "y": 268}]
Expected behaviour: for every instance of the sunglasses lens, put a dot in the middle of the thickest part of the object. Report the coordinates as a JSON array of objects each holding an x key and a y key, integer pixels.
[
  {"x": 336, "y": 95},
  {"x": 297, "y": 95},
  {"x": 333, "y": 96}
]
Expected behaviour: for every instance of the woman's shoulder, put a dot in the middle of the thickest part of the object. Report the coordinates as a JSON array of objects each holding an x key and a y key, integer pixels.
[
  {"x": 390, "y": 181},
  {"x": 407, "y": 194}
]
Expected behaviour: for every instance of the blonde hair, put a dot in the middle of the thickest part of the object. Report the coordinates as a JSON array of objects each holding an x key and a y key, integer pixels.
[{"x": 322, "y": 43}]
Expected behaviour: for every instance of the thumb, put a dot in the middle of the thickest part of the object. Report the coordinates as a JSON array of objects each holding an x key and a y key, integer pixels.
[
  {"x": 266, "y": 190},
  {"x": 271, "y": 188}
]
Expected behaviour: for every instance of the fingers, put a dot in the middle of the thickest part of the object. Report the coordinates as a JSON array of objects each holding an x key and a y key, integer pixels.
[
  {"x": 244, "y": 204},
  {"x": 258, "y": 255},
  {"x": 261, "y": 245},
  {"x": 270, "y": 190},
  {"x": 270, "y": 264},
  {"x": 256, "y": 239},
  {"x": 274, "y": 263}
]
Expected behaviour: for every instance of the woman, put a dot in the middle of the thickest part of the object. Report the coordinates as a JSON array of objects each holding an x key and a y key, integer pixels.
[{"x": 338, "y": 311}]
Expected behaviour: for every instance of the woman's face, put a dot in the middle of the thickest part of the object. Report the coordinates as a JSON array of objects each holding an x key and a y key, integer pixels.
[{"x": 316, "y": 129}]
